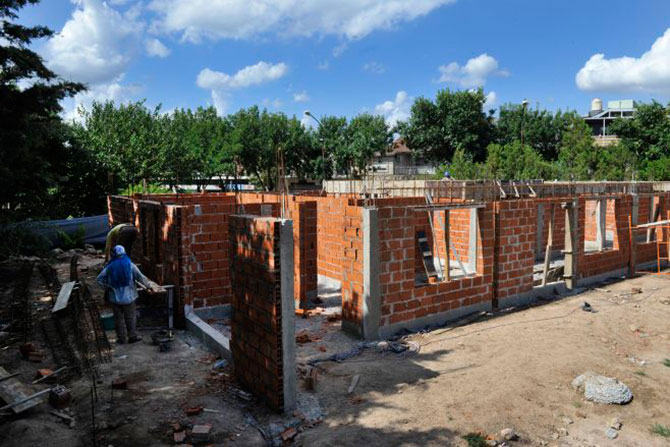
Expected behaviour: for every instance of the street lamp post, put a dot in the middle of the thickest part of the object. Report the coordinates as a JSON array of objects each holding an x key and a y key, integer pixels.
[
  {"x": 524, "y": 106},
  {"x": 323, "y": 148}
]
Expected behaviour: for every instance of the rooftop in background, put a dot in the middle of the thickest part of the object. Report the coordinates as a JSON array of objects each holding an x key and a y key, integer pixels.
[{"x": 599, "y": 119}]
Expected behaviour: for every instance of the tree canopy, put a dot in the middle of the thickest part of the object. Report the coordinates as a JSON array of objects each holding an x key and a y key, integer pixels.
[
  {"x": 32, "y": 139},
  {"x": 455, "y": 120}
]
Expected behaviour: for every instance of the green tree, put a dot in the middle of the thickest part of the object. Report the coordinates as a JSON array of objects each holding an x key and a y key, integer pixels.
[
  {"x": 365, "y": 135},
  {"x": 127, "y": 140},
  {"x": 516, "y": 162},
  {"x": 578, "y": 157},
  {"x": 332, "y": 137},
  {"x": 647, "y": 136},
  {"x": 31, "y": 138},
  {"x": 455, "y": 120},
  {"x": 249, "y": 142},
  {"x": 617, "y": 163},
  {"x": 300, "y": 148},
  {"x": 462, "y": 167},
  {"x": 541, "y": 129}
]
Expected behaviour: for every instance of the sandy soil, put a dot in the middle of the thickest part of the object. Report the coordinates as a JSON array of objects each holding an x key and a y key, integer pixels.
[
  {"x": 511, "y": 369},
  {"x": 508, "y": 369}
]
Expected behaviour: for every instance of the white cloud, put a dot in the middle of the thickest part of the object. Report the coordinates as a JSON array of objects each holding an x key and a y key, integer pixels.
[
  {"x": 96, "y": 44},
  {"x": 274, "y": 103},
  {"x": 259, "y": 73},
  {"x": 374, "y": 67},
  {"x": 340, "y": 49},
  {"x": 396, "y": 110},
  {"x": 244, "y": 19},
  {"x": 156, "y": 48},
  {"x": 323, "y": 66},
  {"x": 648, "y": 73},
  {"x": 221, "y": 83},
  {"x": 301, "y": 96},
  {"x": 113, "y": 91},
  {"x": 491, "y": 101},
  {"x": 220, "y": 102},
  {"x": 473, "y": 74}
]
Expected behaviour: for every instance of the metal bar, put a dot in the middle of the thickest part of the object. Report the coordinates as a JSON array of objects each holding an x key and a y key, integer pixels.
[
  {"x": 22, "y": 401},
  {"x": 549, "y": 248},
  {"x": 53, "y": 373}
]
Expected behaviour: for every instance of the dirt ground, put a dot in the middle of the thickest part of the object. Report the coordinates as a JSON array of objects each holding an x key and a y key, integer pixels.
[
  {"x": 512, "y": 370},
  {"x": 508, "y": 369}
]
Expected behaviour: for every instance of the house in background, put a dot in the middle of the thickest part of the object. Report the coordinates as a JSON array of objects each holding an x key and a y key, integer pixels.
[
  {"x": 599, "y": 119},
  {"x": 398, "y": 160}
]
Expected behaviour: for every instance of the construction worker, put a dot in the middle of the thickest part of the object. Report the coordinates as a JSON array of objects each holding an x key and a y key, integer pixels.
[
  {"x": 118, "y": 277},
  {"x": 122, "y": 234}
]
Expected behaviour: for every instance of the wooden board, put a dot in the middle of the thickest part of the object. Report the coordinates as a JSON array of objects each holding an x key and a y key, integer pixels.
[
  {"x": 11, "y": 390},
  {"x": 64, "y": 296},
  {"x": 426, "y": 254}
]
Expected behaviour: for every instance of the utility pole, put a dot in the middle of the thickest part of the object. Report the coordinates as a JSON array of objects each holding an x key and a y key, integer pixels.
[
  {"x": 524, "y": 106},
  {"x": 323, "y": 149}
]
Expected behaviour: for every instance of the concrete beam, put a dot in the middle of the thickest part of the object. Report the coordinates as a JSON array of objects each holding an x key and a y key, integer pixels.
[
  {"x": 371, "y": 289},
  {"x": 635, "y": 212},
  {"x": 571, "y": 243},
  {"x": 287, "y": 272},
  {"x": 601, "y": 224},
  {"x": 539, "y": 243},
  {"x": 214, "y": 341},
  {"x": 472, "y": 241}
]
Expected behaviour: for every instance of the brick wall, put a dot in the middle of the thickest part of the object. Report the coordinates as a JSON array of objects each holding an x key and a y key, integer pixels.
[
  {"x": 256, "y": 342},
  {"x": 203, "y": 237},
  {"x": 595, "y": 263},
  {"x": 401, "y": 299},
  {"x": 516, "y": 229},
  {"x": 303, "y": 215},
  {"x": 352, "y": 265}
]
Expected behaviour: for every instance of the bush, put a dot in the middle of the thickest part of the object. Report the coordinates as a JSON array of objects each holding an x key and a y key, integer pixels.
[
  {"x": 20, "y": 240},
  {"x": 76, "y": 240},
  {"x": 152, "y": 188}
]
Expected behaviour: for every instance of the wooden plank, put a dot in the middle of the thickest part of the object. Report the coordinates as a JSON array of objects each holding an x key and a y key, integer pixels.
[
  {"x": 64, "y": 296},
  {"x": 449, "y": 207},
  {"x": 428, "y": 264},
  {"x": 13, "y": 391},
  {"x": 548, "y": 250},
  {"x": 660, "y": 223}
]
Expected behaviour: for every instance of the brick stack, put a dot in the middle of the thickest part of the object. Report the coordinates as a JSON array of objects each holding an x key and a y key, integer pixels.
[{"x": 256, "y": 321}]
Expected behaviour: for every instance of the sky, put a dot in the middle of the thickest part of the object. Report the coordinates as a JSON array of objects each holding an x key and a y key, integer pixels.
[{"x": 344, "y": 57}]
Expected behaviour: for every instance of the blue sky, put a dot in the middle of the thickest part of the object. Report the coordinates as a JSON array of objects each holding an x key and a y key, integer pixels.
[{"x": 346, "y": 56}]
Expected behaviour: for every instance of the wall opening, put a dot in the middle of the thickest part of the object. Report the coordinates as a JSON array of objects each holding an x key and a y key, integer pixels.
[
  {"x": 599, "y": 225},
  {"x": 446, "y": 244},
  {"x": 549, "y": 264}
]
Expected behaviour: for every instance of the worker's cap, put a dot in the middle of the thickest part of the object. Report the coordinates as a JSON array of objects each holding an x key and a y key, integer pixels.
[{"x": 119, "y": 251}]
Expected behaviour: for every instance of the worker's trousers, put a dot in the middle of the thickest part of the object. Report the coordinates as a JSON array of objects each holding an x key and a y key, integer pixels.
[{"x": 124, "y": 321}]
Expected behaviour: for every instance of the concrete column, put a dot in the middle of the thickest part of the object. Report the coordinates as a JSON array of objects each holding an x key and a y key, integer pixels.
[
  {"x": 286, "y": 271},
  {"x": 601, "y": 224},
  {"x": 571, "y": 243},
  {"x": 539, "y": 247},
  {"x": 371, "y": 290},
  {"x": 635, "y": 209},
  {"x": 652, "y": 217},
  {"x": 472, "y": 241}
]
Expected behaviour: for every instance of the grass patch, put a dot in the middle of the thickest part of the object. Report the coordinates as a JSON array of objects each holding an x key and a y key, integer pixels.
[
  {"x": 640, "y": 372},
  {"x": 661, "y": 430},
  {"x": 577, "y": 404},
  {"x": 475, "y": 440},
  {"x": 666, "y": 362}
]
